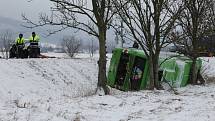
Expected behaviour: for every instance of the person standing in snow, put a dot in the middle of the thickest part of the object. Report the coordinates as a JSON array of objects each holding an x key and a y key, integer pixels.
[
  {"x": 20, "y": 44},
  {"x": 20, "y": 40},
  {"x": 34, "y": 39},
  {"x": 135, "y": 45},
  {"x": 34, "y": 50}
]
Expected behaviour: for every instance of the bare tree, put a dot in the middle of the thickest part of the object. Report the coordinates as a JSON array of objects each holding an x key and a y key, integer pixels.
[
  {"x": 92, "y": 47},
  {"x": 196, "y": 21},
  {"x": 6, "y": 38},
  {"x": 120, "y": 31},
  {"x": 90, "y": 16},
  {"x": 149, "y": 23},
  {"x": 110, "y": 46},
  {"x": 71, "y": 45}
]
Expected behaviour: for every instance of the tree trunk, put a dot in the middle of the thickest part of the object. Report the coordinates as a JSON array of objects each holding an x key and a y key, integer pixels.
[
  {"x": 151, "y": 73},
  {"x": 194, "y": 71},
  {"x": 102, "y": 79},
  {"x": 156, "y": 69},
  {"x": 7, "y": 54}
]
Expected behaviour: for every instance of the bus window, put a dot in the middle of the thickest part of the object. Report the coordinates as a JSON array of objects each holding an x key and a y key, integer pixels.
[{"x": 137, "y": 72}]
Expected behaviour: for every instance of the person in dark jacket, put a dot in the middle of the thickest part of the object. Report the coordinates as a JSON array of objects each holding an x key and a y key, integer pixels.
[
  {"x": 135, "y": 45},
  {"x": 34, "y": 50}
]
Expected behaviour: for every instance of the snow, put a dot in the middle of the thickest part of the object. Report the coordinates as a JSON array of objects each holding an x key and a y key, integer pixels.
[
  {"x": 208, "y": 68},
  {"x": 62, "y": 89}
]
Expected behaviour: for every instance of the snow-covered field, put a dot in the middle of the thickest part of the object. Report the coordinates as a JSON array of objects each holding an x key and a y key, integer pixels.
[{"x": 61, "y": 89}]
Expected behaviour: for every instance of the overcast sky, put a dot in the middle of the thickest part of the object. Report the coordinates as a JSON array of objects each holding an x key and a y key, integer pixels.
[{"x": 14, "y": 8}]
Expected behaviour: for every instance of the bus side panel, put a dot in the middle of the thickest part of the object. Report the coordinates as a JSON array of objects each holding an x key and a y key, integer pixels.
[
  {"x": 145, "y": 77},
  {"x": 113, "y": 67}
]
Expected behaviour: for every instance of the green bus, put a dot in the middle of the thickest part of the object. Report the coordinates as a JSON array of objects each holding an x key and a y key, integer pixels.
[{"x": 129, "y": 70}]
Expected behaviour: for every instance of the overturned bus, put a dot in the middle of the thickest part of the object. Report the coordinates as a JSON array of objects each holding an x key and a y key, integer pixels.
[{"x": 129, "y": 70}]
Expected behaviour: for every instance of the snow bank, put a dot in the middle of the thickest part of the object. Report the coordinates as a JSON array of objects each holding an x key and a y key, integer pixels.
[
  {"x": 50, "y": 90},
  {"x": 26, "y": 82},
  {"x": 208, "y": 69}
]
